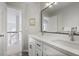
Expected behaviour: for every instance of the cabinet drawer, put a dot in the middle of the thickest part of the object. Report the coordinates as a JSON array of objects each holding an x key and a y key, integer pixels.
[
  {"x": 50, "y": 51},
  {"x": 38, "y": 44}
]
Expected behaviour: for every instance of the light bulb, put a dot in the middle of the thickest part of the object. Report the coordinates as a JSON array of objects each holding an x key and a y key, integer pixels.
[
  {"x": 50, "y": 6},
  {"x": 47, "y": 4},
  {"x": 55, "y": 3}
]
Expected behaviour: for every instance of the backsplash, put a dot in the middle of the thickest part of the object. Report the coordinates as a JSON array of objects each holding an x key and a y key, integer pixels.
[{"x": 61, "y": 37}]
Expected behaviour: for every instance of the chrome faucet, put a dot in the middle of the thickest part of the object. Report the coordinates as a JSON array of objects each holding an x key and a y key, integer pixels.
[{"x": 72, "y": 32}]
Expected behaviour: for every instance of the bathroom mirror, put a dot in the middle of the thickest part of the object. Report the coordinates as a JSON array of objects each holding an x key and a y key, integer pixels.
[{"x": 60, "y": 17}]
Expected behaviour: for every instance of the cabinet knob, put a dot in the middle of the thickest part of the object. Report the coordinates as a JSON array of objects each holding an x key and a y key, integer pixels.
[
  {"x": 31, "y": 46},
  {"x": 38, "y": 45}
]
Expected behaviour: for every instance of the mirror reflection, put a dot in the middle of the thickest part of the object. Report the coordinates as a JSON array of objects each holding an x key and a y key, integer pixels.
[{"x": 61, "y": 17}]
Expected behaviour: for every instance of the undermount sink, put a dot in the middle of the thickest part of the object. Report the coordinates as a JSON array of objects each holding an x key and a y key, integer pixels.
[{"x": 71, "y": 44}]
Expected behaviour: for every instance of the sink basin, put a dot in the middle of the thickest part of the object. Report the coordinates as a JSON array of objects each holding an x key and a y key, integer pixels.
[{"x": 71, "y": 44}]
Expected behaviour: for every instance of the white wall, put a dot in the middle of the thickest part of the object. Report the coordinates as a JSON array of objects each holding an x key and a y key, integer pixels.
[
  {"x": 33, "y": 11},
  {"x": 69, "y": 16},
  {"x": 52, "y": 24}
]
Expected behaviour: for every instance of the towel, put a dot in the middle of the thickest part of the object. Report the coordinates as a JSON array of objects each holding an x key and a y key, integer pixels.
[{"x": 66, "y": 29}]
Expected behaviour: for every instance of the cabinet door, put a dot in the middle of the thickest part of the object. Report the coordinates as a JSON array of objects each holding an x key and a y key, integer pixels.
[
  {"x": 38, "y": 52},
  {"x": 31, "y": 46},
  {"x": 44, "y": 54},
  {"x": 38, "y": 44},
  {"x": 50, "y": 51},
  {"x": 31, "y": 49}
]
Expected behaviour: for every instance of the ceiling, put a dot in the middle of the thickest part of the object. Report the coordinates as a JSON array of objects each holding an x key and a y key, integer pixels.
[{"x": 56, "y": 7}]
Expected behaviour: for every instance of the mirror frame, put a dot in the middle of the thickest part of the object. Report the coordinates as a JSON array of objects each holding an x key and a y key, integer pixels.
[{"x": 51, "y": 32}]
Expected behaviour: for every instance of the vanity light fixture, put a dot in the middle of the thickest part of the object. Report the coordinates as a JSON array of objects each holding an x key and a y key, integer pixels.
[
  {"x": 50, "y": 6},
  {"x": 47, "y": 4},
  {"x": 55, "y": 3}
]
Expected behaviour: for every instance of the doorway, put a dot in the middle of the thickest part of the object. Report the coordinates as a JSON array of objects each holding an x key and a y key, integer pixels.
[{"x": 14, "y": 32}]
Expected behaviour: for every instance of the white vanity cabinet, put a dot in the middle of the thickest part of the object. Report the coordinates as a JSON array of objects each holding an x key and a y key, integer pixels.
[
  {"x": 50, "y": 51},
  {"x": 31, "y": 46},
  {"x": 35, "y": 47},
  {"x": 38, "y": 52},
  {"x": 39, "y": 48}
]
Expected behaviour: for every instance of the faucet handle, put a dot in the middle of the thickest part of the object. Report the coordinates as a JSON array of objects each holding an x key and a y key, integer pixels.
[
  {"x": 71, "y": 33},
  {"x": 74, "y": 29}
]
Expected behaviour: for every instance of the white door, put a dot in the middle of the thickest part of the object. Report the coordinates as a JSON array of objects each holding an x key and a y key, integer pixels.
[
  {"x": 2, "y": 29},
  {"x": 13, "y": 31}
]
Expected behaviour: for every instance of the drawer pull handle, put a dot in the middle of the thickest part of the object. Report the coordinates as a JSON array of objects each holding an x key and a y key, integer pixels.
[{"x": 38, "y": 45}]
